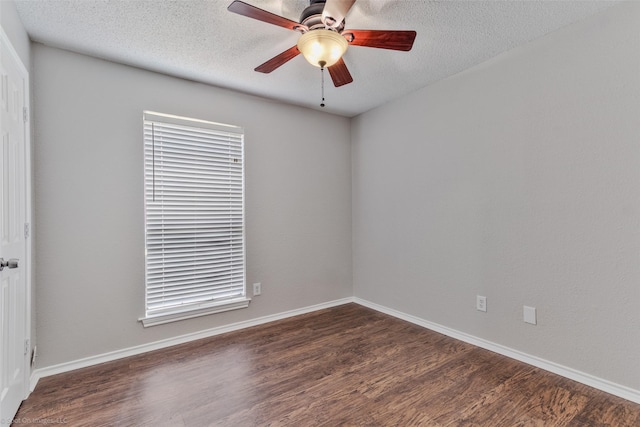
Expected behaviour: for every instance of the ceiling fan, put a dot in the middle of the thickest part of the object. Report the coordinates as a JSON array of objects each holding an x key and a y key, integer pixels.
[{"x": 324, "y": 38}]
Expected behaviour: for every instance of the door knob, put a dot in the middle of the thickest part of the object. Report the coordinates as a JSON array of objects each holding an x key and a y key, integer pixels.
[{"x": 12, "y": 263}]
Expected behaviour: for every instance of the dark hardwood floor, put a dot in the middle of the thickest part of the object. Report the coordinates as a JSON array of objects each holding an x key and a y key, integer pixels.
[{"x": 347, "y": 365}]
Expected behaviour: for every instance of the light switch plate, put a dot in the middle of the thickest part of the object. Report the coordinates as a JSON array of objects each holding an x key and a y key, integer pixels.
[{"x": 530, "y": 315}]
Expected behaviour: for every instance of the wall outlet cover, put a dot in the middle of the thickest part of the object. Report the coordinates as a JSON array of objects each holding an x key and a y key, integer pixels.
[
  {"x": 481, "y": 303},
  {"x": 530, "y": 315}
]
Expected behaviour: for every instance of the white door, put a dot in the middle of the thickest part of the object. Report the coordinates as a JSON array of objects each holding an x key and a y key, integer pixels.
[{"x": 14, "y": 298}]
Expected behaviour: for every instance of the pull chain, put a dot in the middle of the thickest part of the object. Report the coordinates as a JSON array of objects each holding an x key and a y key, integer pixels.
[{"x": 322, "y": 64}]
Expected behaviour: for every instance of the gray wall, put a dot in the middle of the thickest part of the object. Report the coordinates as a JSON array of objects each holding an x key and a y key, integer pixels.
[
  {"x": 89, "y": 202},
  {"x": 518, "y": 180}
]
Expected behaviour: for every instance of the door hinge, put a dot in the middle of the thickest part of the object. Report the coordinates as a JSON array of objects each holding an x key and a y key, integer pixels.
[
  {"x": 34, "y": 354},
  {"x": 27, "y": 347},
  {"x": 27, "y": 230},
  {"x": 25, "y": 114}
]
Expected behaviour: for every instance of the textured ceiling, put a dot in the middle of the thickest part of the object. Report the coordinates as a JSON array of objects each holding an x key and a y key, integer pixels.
[{"x": 202, "y": 41}]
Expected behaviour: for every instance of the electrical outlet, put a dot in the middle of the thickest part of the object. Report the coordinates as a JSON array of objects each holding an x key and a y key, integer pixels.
[
  {"x": 257, "y": 289},
  {"x": 481, "y": 303}
]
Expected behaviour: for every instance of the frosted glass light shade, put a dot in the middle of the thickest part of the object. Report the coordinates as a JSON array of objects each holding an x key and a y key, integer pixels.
[{"x": 320, "y": 46}]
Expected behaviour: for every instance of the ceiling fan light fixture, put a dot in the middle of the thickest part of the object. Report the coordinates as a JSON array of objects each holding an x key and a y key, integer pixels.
[{"x": 322, "y": 48}]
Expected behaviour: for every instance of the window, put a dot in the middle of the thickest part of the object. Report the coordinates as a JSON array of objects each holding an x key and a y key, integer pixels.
[{"x": 194, "y": 218}]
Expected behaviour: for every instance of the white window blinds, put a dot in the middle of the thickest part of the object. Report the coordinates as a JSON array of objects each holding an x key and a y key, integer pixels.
[{"x": 194, "y": 214}]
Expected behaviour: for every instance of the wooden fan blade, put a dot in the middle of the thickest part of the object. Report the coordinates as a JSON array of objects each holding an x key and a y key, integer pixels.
[
  {"x": 244, "y": 9},
  {"x": 340, "y": 74},
  {"x": 278, "y": 60},
  {"x": 392, "y": 39},
  {"x": 335, "y": 10}
]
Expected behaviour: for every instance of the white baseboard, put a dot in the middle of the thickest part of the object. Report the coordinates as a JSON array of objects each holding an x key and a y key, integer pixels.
[
  {"x": 131, "y": 351},
  {"x": 573, "y": 374}
]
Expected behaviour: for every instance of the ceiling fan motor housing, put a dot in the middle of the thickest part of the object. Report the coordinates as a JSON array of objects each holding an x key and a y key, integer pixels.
[{"x": 312, "y": 16}]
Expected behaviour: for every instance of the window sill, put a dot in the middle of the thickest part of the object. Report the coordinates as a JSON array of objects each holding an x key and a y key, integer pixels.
[{"x": 220, "y": 307}]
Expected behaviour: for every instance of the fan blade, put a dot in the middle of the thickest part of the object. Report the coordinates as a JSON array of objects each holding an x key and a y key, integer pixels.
[
  {"x": 278, "y": 60},
  {"x": 340, "y": 74},
  {"x": 392, "y": 39},
  {"x": 335, "y": 10},
  {"x": 244, "y": 9}
]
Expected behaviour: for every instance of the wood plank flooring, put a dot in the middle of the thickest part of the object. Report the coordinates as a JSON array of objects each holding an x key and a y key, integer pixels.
[{"x": 344, "y": 366}]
